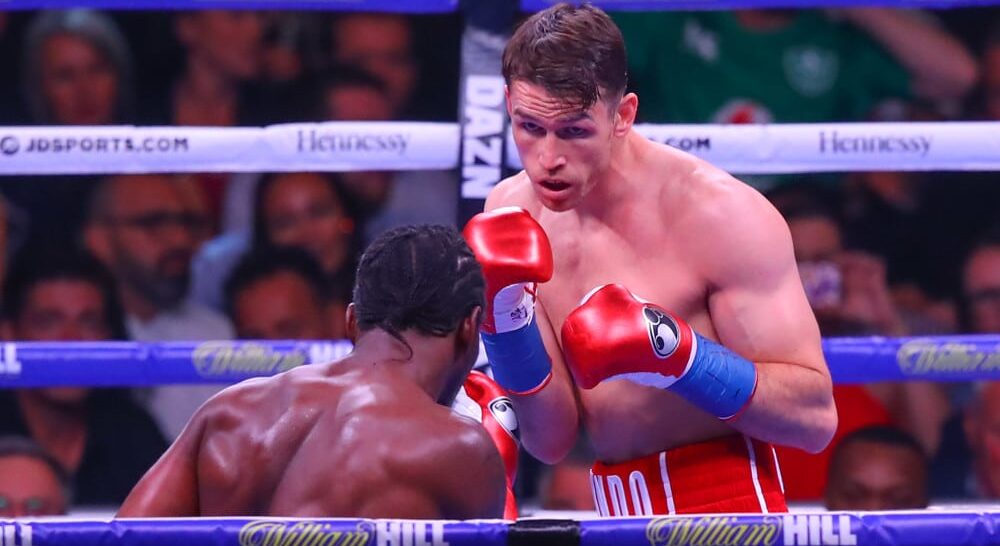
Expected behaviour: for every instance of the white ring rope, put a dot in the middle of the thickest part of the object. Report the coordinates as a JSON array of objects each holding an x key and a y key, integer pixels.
[{"x": 362, "y": 146}]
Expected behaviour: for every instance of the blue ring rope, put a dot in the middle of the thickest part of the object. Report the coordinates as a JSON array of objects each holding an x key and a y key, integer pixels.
[
  {"x": 109, "y": 364},
  {"x": 843, "y": 528}
]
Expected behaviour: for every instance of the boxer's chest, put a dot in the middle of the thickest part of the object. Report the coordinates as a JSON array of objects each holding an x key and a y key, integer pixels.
[{"x": 651, "y": 265}]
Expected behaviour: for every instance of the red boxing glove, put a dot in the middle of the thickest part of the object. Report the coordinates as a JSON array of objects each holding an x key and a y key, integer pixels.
[
  {"x": 613, "y": 333},
  {"x": 514, "y": 252},
  {"x": 496, "y": 413}
]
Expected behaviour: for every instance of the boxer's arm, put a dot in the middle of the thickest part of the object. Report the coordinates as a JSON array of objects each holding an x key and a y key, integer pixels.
[
  {"x": 759, "y": 310},
  {"x": 549, "y": 419},
  {"x": 170, "y": 487}
]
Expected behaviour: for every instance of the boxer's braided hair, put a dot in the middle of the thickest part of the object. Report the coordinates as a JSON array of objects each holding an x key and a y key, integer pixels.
[{"x": 423, "y": 278}]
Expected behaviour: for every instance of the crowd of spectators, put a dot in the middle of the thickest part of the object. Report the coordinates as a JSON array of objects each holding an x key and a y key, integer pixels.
[{"x": 273, "y": 255}]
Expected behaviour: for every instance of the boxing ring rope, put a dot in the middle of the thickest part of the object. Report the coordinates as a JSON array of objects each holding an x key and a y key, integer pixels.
[
  {"x": 123, "y": 364},
  {"x": 842, "y": 528},
  {"x": 361, "y": 146}
]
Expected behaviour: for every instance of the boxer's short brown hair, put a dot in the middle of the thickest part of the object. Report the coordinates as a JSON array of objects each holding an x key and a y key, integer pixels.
[{"x": 575, "y": 53}]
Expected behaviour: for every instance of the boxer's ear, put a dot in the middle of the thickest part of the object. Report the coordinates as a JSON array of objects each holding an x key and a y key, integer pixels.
[
  {"x": 351, "y": 325},
  {"x": 468, "y": 330},
  {"x": 467, "y": 337},
  {"x": 625, "y": 114}
]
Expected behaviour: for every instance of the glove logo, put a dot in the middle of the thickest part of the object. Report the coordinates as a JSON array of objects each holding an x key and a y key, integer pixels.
[
  {"x": 503, "y": 411},
  {"x": 519, "y": 313},
  {"x": 663, "y": 333}
]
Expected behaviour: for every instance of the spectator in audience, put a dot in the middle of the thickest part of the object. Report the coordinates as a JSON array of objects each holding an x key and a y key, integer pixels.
[
  {"x": 103, "y": 439},
  {"x": 982, "y": 432},
  {"x": 9, "y": 111},
  {"x": 145, "y": 229},
  {"x": 13, "y": 232},
  {"x": 990, "y": 107},
  {"x": 291, "y": 53},
  {"x": 310, "y": 211},
  {"x": 382, "y": 44},
  {"x": 970, "y": 444},
  {"x": 219, "y": 85},
  {"x": 850, "y": 296},
  {"x": 281, "y": 293},
  {"x": 385, "y": 199},
  {"x": 877, "y": 468},
  {"x": 920, "y": 224},
  {"x": 758, "y": 66},
  {"x": 76, "y": 70},
  {"x": 281, "y": 57},
  {"x": 981, "y": 285},
  {"x": 350, "y": 93},
  {"x": 223, "y": 52},
  {"x": 32, "y": 483},
  {"x": 306, "y": 210}
]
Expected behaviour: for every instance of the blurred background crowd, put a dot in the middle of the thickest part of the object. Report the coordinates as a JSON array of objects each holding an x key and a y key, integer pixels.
[{"x": 272, "y": 256}]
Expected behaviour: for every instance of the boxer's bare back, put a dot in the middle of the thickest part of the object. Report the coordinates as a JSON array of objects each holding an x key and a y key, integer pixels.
[{"x": 351, "y": 439}]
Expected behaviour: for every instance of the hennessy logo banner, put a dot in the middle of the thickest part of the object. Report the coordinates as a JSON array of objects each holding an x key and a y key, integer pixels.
[{"x": 365, "y": 146}]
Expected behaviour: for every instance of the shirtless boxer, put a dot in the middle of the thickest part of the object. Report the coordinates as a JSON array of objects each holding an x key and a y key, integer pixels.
[
  {"x": 688, "y": 426},
  {"x": 367, "y": 436}
]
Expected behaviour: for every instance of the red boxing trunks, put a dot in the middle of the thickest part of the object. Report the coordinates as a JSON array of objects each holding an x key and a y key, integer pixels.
[{"x": 729, "y": 474}]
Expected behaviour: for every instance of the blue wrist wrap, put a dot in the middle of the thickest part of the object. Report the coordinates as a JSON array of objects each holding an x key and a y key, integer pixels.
[
  {"x": 520, "y": 363},
  {"x": 719, "y": 381}
]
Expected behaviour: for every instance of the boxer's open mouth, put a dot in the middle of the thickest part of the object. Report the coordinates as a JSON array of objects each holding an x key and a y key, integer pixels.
[{"x": 554, "y": 185}]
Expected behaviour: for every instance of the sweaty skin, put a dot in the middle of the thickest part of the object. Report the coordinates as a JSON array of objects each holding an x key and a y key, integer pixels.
[
  {"x": 355, "y": 438},
  {"x": 619, "y": 208}
]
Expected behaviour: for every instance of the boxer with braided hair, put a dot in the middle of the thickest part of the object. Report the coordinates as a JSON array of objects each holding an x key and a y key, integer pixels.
[{"x": 367, "y": 436}]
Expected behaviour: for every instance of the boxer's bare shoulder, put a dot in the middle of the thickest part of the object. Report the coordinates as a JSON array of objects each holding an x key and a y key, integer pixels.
[
  {"x": 699, "y": 198},
  {"x": 515, "y": 191}
]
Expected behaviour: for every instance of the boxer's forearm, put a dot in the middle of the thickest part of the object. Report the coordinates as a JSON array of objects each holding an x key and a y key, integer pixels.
[
  {"x": 548, "y": 419},
  {"x": 793, "y": 406}
]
